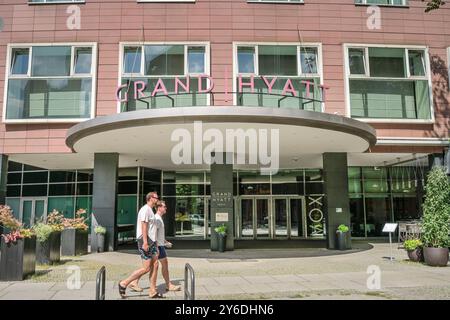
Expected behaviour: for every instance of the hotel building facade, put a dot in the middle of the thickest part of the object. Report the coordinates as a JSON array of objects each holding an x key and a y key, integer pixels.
[{"x": 94, "y": 92}]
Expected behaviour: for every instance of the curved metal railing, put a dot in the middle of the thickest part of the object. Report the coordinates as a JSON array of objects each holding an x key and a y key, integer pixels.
[{"x": 189, "y": 286}]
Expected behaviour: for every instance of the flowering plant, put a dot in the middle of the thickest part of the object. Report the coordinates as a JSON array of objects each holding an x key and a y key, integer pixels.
[
  {"x": 55, "y": 220},
  {"x": 79, "y": 222},
  {"x": 16, "y": 229},
  {"x": 7, "y": 219}
]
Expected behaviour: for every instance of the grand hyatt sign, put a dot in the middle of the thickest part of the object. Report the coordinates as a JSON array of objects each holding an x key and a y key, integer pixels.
[{"x": 183, "y": 86}]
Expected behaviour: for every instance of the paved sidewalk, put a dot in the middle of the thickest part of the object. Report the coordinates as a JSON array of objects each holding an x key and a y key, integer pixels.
[{"x": 343, "y": 276}]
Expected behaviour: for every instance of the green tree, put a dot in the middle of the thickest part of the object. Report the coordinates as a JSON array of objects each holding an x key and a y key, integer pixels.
[
  {"x": 433, "y": 5},
  {"x": 436, "y": 209}
]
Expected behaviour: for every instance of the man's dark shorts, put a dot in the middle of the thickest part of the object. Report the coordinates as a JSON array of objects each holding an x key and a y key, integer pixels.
[
  {"x": 152, "y": 251},
  {"x": 162, "y": 252}
]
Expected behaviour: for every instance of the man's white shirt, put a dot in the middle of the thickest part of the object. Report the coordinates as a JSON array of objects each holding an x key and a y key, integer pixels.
[
  {"x": 146, "y": 214},
  {"x": 160, "y": 232}
]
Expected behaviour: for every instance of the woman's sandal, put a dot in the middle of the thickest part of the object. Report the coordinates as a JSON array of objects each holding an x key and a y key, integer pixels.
[
  {"x": 173, "y": 288},
  {"x": 122, "y": 291}
]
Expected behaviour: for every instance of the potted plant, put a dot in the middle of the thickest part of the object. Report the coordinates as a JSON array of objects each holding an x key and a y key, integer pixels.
[
  {"x": 343, "y": 241},
  {"x": 48, "y": 235},
  {"x": 100, "y": 232},
  {"x": 74, "y": 238},
  {"x": 222, "y": 233},
  {"x": 18, "y": 248},
  {"x": 436, "y": 218},
  {"x": 414, "y": 249}
]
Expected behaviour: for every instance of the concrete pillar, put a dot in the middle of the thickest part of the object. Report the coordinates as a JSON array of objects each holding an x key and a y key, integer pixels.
[
  {"x": 336, "y": 202},
  {"x": 104, "y": 198},
  {"x": 222, "y": 204},
  {"x": 3, "y": 177},
  {"x": 435, "y": 159}
]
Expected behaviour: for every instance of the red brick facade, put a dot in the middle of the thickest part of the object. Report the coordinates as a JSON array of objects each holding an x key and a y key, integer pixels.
[{"x": 329, "y": 22}]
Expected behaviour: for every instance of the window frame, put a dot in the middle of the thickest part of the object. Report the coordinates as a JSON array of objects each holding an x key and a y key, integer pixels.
[
  {"x": 72, "y": 75},
  {"x": 277, "y": 2},
  {"x": 391, "y": 4},
  {"x": 366, "y": 46},
  {"x": 256, "y": 45},
  {"x": 141, "y": 74},
  {"x": 162, "y": 1},
  {"x": 57, "y": 2}
]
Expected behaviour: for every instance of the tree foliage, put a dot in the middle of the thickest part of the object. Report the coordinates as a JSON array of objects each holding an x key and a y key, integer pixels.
[
  {"x": 436, "y": 209},
  {"x": 433, "y": 5}
]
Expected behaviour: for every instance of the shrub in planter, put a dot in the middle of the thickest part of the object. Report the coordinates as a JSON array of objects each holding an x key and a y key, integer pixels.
[
  {"x": 343, "y": 240},
  {"x": 100, "y": 233},
  {"x": 18, "y": 247},
  {"x": 48, "y": 246},
  {"x": 436, "y": 218},
  {"x": 74, "y": 238},
  {"x": 414, "y": 249},
  {"x": 222, "y": 233}
]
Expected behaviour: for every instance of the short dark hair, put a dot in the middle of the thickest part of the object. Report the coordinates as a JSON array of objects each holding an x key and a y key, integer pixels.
[{"x": 150, "y": 195}]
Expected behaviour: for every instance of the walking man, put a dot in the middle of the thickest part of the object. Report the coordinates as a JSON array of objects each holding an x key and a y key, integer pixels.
[
  {"x": 162, "y": 243},
  {"x": 148, "y": 250}
]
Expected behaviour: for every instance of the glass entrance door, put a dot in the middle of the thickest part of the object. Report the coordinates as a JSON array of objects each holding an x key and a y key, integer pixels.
[
  {"x": 288, "y": 217},
  {"x": 271, "y": 217},
  {"x": 255, "y": 218},
  {"x": 262, "y": 216},
  {"x": 280, "y": 213},
  {"x": 32, "y": 210},
  {"x": 247, "y": 230},
  {"x": 297, "y": 216}
]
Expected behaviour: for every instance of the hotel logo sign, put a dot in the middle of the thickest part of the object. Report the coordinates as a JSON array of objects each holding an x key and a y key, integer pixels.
[{"x": 140, "y": 90}]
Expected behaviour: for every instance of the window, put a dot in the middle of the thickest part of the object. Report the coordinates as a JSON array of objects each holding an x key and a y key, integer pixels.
[
  {"x": 383, "y": 2},
  {"x": 50, "y": 82},
  {"x": 277, "y": 1},
  {"x": 168, "y": 65},
  {"x": 54, "y": 1},
  {"x": 298, "y": 64},
  {"x": 388, "y": 83}
]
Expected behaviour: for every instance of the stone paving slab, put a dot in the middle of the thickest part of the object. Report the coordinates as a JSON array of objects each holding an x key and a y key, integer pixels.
[
  {"x": 286, "y": 287},
  {"x": 28, "y": 295},
  {"x": 319, "y": 285},
  {"x": 28, "y": 286},
  {"x": 4, "y": 285},
  {"x": 260, "y": 279},
  {"x": 206, "y": 282},
  {"x": 256, "y": 288},
  {"x": 231, "y": 280},
  {"x": 225, "y": 289},
  {"x": 74, "y": 295},
  {"x": 91, "y": 285}
]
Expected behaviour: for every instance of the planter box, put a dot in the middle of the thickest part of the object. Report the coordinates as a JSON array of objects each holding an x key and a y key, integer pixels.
[
  {"x": 222, "y": 243},
  {"x": 49, "y": 252},
  {"x": 18, "y": 260},
  {"x": 100, "y": 242},
  {"x": 416, "y": 255},
  {"x": 343, "y": 241},
  {"x": 436, "y": 257},
  {"x": 74, "y": 242}
]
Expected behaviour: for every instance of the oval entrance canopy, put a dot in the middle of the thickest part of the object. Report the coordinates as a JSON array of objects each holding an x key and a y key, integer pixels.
[{"x": 150, "y": 136}]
